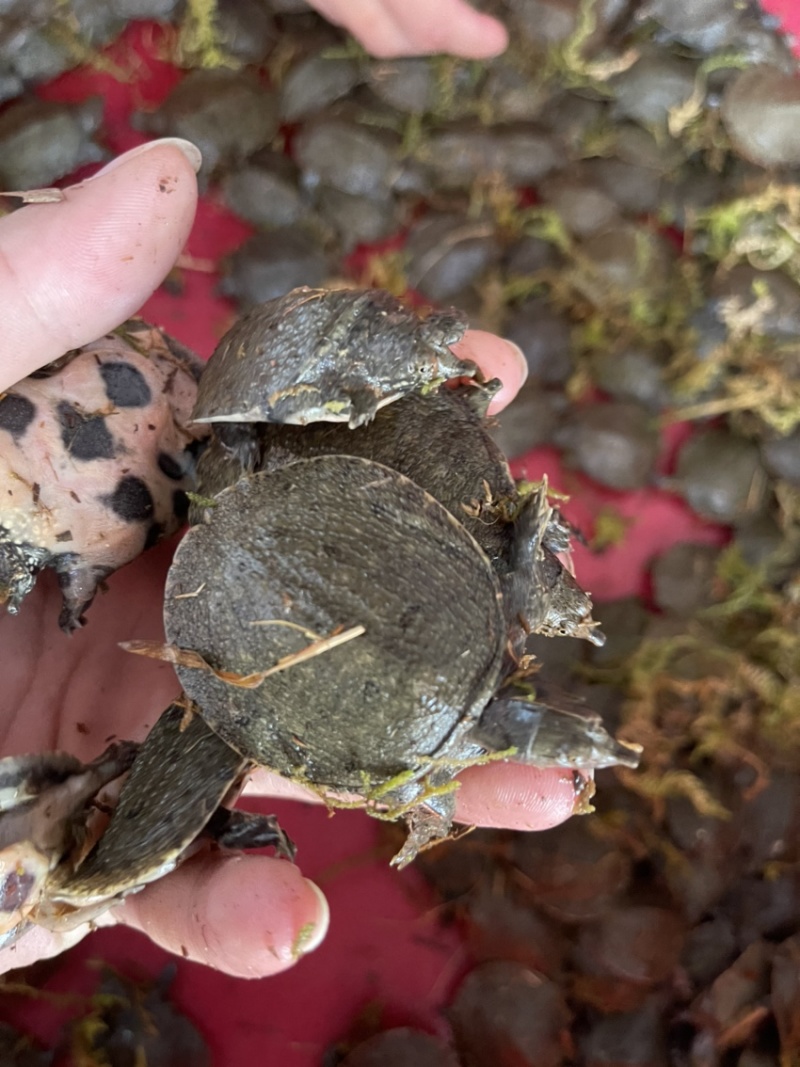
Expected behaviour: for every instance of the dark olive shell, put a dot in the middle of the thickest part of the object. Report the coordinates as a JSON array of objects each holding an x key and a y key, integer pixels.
[
  {"x": 324, "y": 544},
  {"x": 331, "y": 355},
  {"x": 439, "y": 441}
]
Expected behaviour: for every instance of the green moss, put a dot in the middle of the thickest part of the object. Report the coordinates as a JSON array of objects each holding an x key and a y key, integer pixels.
[
  {"x": 200, "y": 41},
  {"x": 456, "y": 87},
  {"x": 569, "y": 62},
  {"x": 761, "y": 228},
  {"x": 610, "y": 529},
  {"x": 674, "y": 784},
  {"x": 202, "y": 501},
  {"x": 304, "y": 935},
  {"x": 387, "y": 270},
  {"x": 727, "y": 689},
  {"x": 349, "y": 48}
]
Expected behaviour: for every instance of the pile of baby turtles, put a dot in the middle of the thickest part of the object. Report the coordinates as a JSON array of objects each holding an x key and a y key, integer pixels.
[
  {"x": 123, "y": 1021},
  {"x": 618, "y": 194},
  {"x": 350, "y": 607}
]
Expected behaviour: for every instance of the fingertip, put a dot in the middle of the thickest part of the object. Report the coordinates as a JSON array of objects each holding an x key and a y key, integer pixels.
[
  {"x": 313, "y": 933},
  {"x": 73, "y": 270},
  {"x": 515, "y": 797},
  {"x": 189, "y": 150},
  {"x": 246, "y": 915},
  {"x": 497, "y": 358},
  {"x": 488, "y": 38},
  {"x": 39, "y": 944}
]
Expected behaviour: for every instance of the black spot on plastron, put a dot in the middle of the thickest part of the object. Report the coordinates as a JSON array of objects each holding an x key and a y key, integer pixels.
[
  {"x": 170, "y": 466},
  {"x": 154, "y": 534},
  {"x": 131, "y": 500},
  {"x": 85, "y": 437},
  {"x": 16, "y": 414},
  {"x": 126, "y": 387},
  {"x": 180, "y": 505}
]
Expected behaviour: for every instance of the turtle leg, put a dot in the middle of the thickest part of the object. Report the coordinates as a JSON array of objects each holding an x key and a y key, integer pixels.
[
  {"x": 364, "y": 406},
  {"x": 430, "y": 821},
  {"x": 479, "y": 395},
  {"x": 545, "y": 735},
  {"x": 540, "y": 594},
  {"x": 178, "y": 780},
  {"x": 231, "y": 453},
  {"x": 247, "y": 829},
  {"x": 78, "y": 582},
  {"x": 19, "y": 567}
]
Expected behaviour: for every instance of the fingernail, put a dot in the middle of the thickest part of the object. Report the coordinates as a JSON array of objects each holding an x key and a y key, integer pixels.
[
  {"x": 192, "y": 153},
  {"x": 313, "y": 934},
  {"x": 519, "y": 356}
]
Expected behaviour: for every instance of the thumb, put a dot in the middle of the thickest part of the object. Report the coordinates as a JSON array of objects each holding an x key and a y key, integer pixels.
[
  {"x": 247, "y": 915},
  {"x": 73, "y": 270}
]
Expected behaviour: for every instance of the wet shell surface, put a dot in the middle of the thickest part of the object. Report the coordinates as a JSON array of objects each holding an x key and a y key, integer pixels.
[{"x": 332, "y": 355}]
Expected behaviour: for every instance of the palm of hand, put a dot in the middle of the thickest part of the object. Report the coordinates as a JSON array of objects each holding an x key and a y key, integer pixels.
[{"x": 77, "y": 694}]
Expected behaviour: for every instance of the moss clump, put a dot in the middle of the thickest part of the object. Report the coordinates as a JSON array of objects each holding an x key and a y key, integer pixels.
[
  {"x": 727, "y": 689},
  {"x": 200, "y": 42}
]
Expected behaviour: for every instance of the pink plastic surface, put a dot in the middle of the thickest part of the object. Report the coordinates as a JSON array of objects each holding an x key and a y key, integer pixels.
[{"x": 384, "y": 944}]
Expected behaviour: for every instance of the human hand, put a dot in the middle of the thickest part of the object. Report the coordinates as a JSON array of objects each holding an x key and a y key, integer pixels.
[
  {"x": 69, "y": 272},
  {"x": 417, "y": 27}
]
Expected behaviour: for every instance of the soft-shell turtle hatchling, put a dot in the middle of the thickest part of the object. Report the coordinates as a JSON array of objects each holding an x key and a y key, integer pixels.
[
  {"x": 351, "y": 605},
  {"x": 96, "y": 452},
  {"x": 46, "y": 809},
  {"x": 328, "y": 355}
]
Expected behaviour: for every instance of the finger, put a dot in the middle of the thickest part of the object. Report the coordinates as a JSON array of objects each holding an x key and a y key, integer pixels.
[
  {"x": 413, "y": 27},
  {"x": 247, "y": 915},
  {"x": 267, "y": 784},
  {"x": 497, "y": 358},
  {"x": 72, "y": 271},
  {"x": 39, "y": 944},
  {"x": 515, "y": 797},
  {"x": 370, "y": 23},
  {"x": 506, "y": 795},
  {"x": 451, "y": 26}
]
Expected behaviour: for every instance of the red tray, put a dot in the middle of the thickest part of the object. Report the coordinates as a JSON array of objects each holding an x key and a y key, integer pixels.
[{"x": 384, "y": 945}]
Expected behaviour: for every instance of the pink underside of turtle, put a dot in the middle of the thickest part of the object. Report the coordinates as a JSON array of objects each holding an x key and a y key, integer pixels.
[{"x": 384, "y": 943}]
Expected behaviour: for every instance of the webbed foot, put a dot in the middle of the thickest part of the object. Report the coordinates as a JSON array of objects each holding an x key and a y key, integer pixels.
[
  {"x": 428, "y": 823},
  {"x": 78, "y": 582},
  {"x": 539, "y": 590},
  {"x": 247, "y": 829},
  {"x": 19, "y": 567},
  {"x": 364, "y": 404}
]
